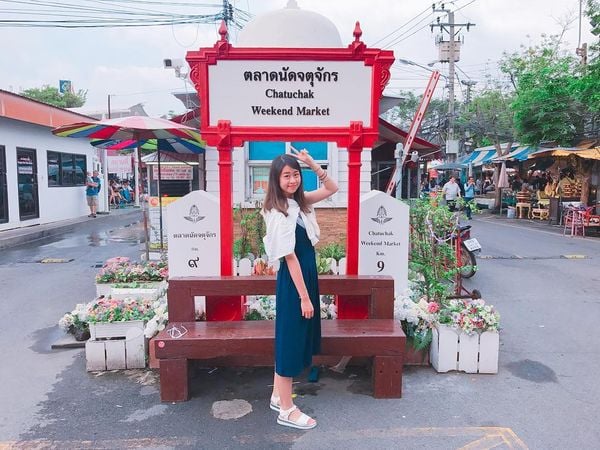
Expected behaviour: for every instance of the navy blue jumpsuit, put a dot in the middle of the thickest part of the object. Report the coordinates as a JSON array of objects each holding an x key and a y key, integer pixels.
[{"x": 297, "y": 338}]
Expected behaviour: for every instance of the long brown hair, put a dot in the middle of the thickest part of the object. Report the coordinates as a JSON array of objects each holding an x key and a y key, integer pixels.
[{"x": 275, "y": 198}]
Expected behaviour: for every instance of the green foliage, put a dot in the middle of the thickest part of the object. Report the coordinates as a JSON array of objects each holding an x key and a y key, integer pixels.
[
  {"x": 488, "y": 118},
  {"x": 52, "y": 96},
  {"x": 546, "y": 80},
  {"x": 432, "y": 256},
  {"x": 323, "y": 267},
  {"x": 334, "y": 250},
  {"x": 252, "y": 230},
  {"x": 419, "y": 340}
]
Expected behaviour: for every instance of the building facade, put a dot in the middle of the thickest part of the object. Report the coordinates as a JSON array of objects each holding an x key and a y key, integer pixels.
[{"x": 42, "y": 177}]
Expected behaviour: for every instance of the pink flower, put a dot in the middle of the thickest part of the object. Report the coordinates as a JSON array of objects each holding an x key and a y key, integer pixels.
[{"x": 433, "y": 307}]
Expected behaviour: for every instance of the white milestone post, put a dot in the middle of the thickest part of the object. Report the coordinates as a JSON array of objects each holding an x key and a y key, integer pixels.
[
  {"x": 383, "y": 238},
  {"x": 193, "y": 234}
]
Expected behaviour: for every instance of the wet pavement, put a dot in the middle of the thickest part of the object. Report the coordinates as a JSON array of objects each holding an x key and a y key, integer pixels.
[{"x": 544, "y": 396}]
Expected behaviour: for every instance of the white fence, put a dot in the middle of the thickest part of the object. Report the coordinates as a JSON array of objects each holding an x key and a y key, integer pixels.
[{"x": 245, "y": 266}]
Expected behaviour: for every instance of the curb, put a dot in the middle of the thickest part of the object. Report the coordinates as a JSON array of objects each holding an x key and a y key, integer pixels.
[{"x": 20, "y": 236}]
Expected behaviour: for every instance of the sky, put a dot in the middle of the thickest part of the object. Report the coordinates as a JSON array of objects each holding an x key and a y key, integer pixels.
[{"x": 127, "y": 63}]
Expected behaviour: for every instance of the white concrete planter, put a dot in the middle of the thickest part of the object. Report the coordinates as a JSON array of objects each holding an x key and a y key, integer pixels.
[
  {"x": 107, "y": 289},
  {"x": 103, "y": 289},
  {"x": 122, "y": 293},
  {"x": 116, "y": 345},
  {"x": 455, "y": 350}
]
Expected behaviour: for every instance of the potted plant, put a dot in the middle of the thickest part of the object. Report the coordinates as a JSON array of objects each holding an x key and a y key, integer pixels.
[
  {"x": 418, "y": 318},
  {"x": 75, "y": 323},
  {"x": 469, "y": 328}
]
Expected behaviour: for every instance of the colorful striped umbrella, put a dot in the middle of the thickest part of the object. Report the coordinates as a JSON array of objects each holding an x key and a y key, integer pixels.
[
  {"x": 125, "y": 128},
  {"x": 136, "y": 128},
  {"x": 166, "y": 145}
]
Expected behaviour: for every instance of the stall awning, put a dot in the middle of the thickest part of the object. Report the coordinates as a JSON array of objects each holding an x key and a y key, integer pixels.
[
  {"x": 487, "y": 155},
  {"x": 478, "y": 157},
  {"x": 518, "y": 154},
  {"x": 589, "y": 153}
]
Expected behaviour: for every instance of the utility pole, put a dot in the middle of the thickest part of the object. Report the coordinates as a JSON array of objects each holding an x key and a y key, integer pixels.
[
  {"x": 450, "y": 53},
  {"x": 227, "y": 12},
  {"x": 469, "y": 84}
]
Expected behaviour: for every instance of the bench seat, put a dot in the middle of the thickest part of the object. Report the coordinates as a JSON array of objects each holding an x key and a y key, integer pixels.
[{"x": 380, "y": 339}]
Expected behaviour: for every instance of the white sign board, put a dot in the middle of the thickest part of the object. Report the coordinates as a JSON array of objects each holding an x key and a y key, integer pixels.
[
  {"x": 119, "y": 164},
  {"x": 154, "y": 215},
  {"x": 290, "y": 93},
  {"x": 194, "y": 237},
  {"x": 384, "y": 238},
  {"x": 173, "y": 173}
]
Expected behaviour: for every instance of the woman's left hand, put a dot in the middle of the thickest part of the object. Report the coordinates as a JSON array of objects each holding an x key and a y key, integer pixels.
[{"x": 302, "y": 155}]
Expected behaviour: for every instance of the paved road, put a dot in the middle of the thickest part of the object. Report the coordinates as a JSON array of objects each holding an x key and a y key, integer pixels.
[{"x": 545, "y": 395}]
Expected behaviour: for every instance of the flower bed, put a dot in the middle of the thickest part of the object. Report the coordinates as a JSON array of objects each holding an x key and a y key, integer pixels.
[
  {"x": 128, "y": 272},
  {"x": 120, "y": 273}
]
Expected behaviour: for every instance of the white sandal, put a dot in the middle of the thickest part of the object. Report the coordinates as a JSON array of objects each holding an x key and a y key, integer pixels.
[
  {"x": 300, "y": 423},
  {"x": 274, "y": 403}
]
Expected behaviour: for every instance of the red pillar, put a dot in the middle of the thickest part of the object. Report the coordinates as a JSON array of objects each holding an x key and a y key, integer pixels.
[
  {"x": 222, "y": 308},
  {"x": 354, "y": 165},
  {"x": 353, "y": 307},
  {"x": 225, "y": 198}
]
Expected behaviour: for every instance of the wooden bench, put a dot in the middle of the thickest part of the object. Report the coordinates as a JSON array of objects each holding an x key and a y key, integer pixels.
[{"x": 379, "y": 337}]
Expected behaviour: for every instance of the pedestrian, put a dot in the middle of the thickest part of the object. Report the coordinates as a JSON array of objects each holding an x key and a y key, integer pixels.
[
  {"x": 469, "y": 196},
  {"x": 451, "y": 192},
  {"x": 92, "y": 189},
  {"x": 292, "y": 232}
]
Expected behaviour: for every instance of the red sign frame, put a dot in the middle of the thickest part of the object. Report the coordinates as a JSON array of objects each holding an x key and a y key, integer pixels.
[
  {"x": 226, "y": 135},
  {"x": 199, "y": 61}
]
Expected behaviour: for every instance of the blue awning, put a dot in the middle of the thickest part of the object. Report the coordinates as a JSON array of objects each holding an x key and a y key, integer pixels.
[{"x": 518, "y": 154}]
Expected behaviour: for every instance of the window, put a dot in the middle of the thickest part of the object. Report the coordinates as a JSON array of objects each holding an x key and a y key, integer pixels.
[
  {"x": 66, "y": 169},
  {"x": 260, "y": 155},
  {"x": 3, "y": 187}
]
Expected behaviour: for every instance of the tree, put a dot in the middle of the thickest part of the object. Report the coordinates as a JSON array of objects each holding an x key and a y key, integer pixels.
[
  {"x": 52, "y": 96},
  {"x": 545, "y": 80},
  {"x": 434, "y": 124},
  {"x": 488, "y": 120}
]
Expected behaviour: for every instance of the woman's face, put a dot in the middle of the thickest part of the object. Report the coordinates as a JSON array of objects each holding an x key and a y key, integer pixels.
[{"x": 289, "y": 181}]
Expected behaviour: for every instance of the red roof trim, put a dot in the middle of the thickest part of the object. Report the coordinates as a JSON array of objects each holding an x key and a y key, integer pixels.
[
  {"x": 17, "y": 107},
  {"x": 404, "y": 134}
]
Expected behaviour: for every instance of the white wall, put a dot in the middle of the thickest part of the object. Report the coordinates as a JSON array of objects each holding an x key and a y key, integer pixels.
[
  {"x": 55, "y": 203},
  {"x": 338, "y": 168}
]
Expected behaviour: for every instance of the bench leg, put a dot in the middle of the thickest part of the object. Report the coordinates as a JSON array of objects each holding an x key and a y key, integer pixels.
[
  {"x": 174, "y": 380},
  {"x": 387, "y": 376}
]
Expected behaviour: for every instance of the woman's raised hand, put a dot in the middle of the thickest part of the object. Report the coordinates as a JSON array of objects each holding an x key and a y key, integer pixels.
[{"x": 302, "y": 155}]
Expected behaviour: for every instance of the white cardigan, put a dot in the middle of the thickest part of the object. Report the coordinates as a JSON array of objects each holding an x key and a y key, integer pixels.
[{"x": 280, "y": 239}]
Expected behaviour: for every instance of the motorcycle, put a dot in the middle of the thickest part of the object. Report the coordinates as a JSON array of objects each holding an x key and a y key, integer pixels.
[{"x": 468, "y": 247}]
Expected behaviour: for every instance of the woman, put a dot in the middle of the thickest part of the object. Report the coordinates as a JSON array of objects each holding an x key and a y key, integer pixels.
[{"x": 292, "y": 232}]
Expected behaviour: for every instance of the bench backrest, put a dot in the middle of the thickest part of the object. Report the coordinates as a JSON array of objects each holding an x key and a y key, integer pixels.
[{"x": 182, "y": 290}]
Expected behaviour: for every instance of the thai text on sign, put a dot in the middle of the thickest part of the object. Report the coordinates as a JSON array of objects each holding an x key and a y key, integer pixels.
[{"x": 173, "y": 172}]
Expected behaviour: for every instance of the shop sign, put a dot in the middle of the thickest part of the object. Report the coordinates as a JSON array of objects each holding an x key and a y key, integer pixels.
[
  {"x": 173, "y": 172},
  {"x": 119, "y": 164}
]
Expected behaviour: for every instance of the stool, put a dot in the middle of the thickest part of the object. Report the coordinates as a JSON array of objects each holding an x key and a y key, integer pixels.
[
  {"x": 520, "y": 207},
  {"x": 539, "y": 213}
]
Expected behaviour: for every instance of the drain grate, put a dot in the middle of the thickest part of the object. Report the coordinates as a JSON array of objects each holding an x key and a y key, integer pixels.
[{"x": 55, "y": 260}]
